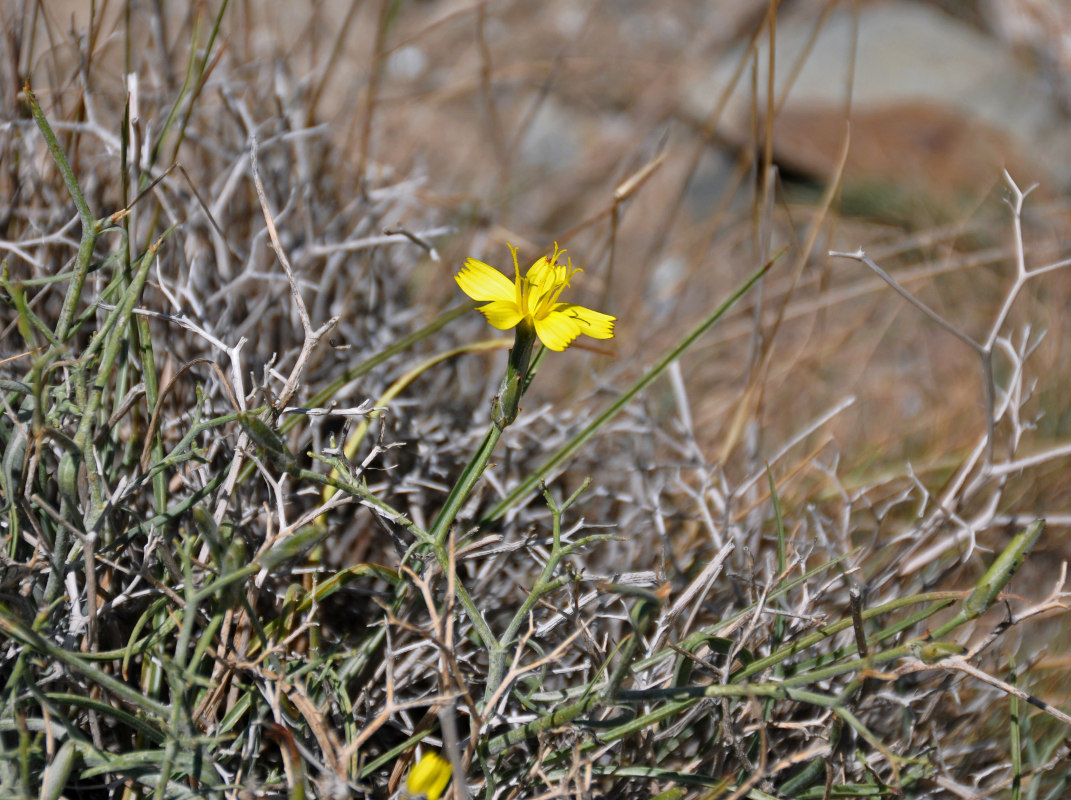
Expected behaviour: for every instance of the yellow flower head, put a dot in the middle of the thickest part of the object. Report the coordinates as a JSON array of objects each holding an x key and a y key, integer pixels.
[
  {"x": 428, "y": 778},
  {"x": 533, "y": 298}
]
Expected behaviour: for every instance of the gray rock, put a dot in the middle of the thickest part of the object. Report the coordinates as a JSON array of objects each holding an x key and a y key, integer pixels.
[
  {"x": 552, "y": 139},
  {"x": 906, "y": 54}
]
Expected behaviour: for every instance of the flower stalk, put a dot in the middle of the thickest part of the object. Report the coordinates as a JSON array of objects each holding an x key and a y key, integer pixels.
[
  {"x": 504, "y": 409},
  {"x": 530, "y": 304},
  {"x": 505, "y": 406}
]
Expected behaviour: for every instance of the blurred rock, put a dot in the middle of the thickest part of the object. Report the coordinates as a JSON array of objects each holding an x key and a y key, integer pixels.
[
  {"x": 408, "y": 62},
  {"x": 938, "y": 108},
  {"x": 1042, "y": 30},
  {"x": 552, "y": 138}
]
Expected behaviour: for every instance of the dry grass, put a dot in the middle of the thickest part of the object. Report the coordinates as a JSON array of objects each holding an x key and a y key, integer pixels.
[{"x": 765, "y": 549}]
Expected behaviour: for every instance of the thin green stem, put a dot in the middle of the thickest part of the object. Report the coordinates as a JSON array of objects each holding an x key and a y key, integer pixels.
[
  {"x": 545, "y": 583},
  {"x": 996, "y": 577},
  {"x": 571, "y": 447},
  {"x": 464, "y": 485},
  {"x": 90, "y": 226},
  {"x": 503, "y": 411},
  {"x": 12, "y": 627}
]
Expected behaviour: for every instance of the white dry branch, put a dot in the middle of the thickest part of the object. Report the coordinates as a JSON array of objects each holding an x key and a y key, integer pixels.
[
  {"x": 311, "y": 337},
  {"x": 963, "y": 501}
]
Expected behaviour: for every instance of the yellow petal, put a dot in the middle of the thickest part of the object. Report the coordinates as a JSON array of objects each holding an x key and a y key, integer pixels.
[
  {"x": 483, "y": 282},
  {"x": 547, "y": 284},
  {"x": 502, "y": 314},
  {"x": 542, "y": 271},
  {"x": 592, "y": 323},
  {"x": 556, "y": 330},
  {"x": 429, "y": 777}
]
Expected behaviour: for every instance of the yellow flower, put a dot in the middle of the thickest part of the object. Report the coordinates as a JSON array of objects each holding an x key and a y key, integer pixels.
[
  {"x": 533, "y": 299},
  {"x": 428, "y": 778}
]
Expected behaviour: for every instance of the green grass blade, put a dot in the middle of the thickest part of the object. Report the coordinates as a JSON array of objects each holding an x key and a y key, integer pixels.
[{"x": 566, "y": 452}]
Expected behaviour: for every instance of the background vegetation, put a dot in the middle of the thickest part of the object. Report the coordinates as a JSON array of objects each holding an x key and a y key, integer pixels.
[{"x": 759, "y": 544}]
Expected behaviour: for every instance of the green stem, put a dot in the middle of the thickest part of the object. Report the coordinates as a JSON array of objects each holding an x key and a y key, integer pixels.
[
  {"x": 503, "y": 411},
  {"x": 545, "y": 583},
  {"x": 90, "y": 226},
  {"x": 514, "y": 382},
  {"x": 578, "y": 441},
  {"x": 995, "y": 578},
  {"x": 472, "y": 473},
  {"x": 13, "y": 628}
]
